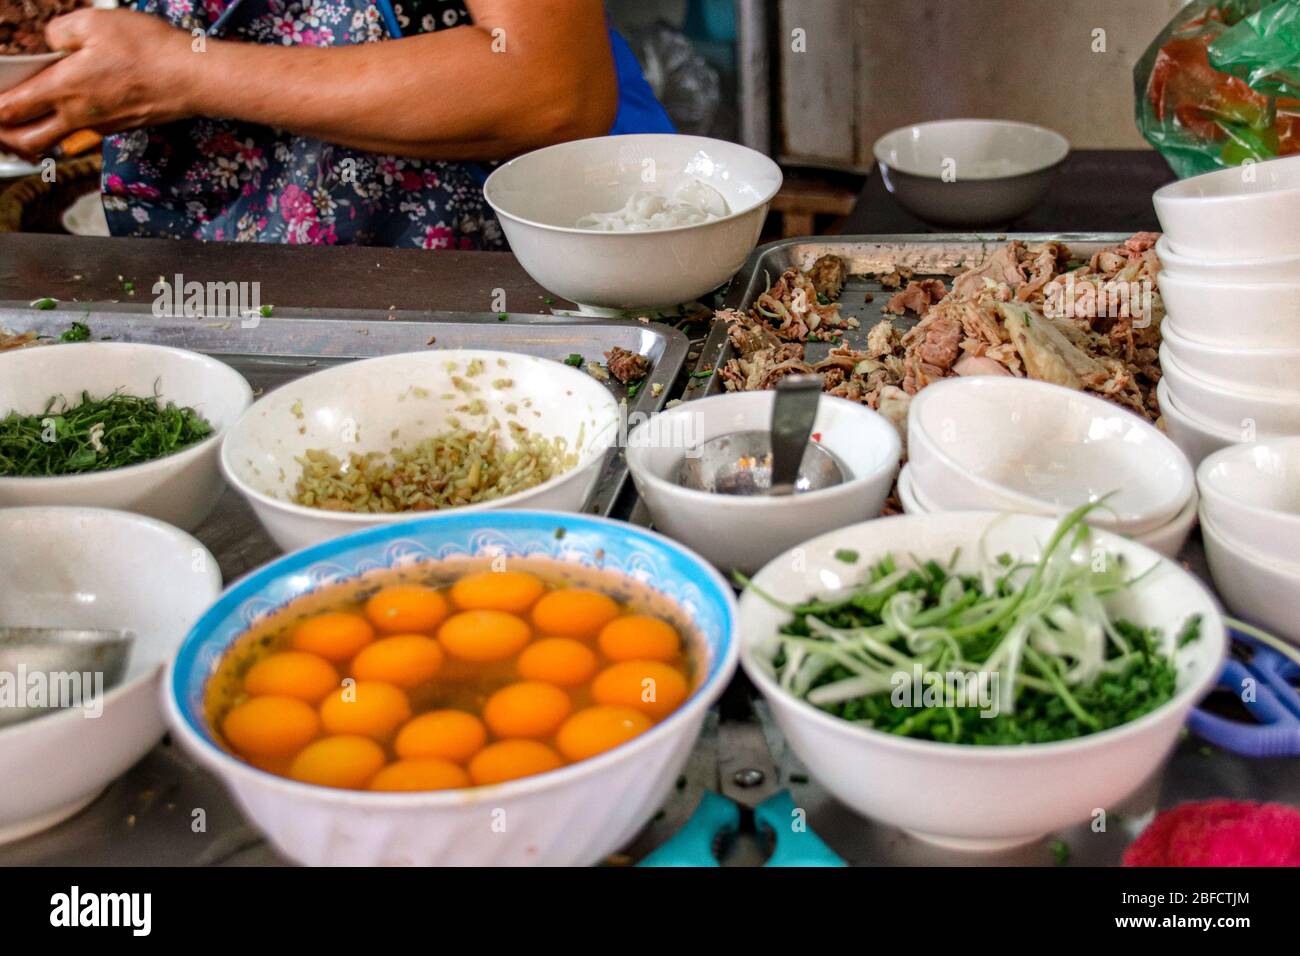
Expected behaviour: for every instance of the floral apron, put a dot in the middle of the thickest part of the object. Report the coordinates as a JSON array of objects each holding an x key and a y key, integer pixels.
[{"x": 229, "y": 180}]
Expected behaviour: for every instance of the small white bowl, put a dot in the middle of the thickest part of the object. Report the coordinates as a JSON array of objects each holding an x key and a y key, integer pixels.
[
  {"x": 1246, "y": 212},
  {"x": 1252, "y": 493},
  {"x": 1256, "y": 315},
  {"x": 1275, "y": 268},
  {"x": 180, "y": 489},
  {"x": 1015, "y": 444},
  {"x": 963, "y": 796},
  {"x": 1254, "y": 586},
  {"x": 743, "y": 533},
  {"x": 540, "y": 196},
  {"x": 1167, "y": 540},
  {"x": 93, "y": 568},
  {"x": 396, "y": 400},
  {"x": 1246, "y": 368},
  {"x": 1267, "y": 412},
  {"x": 969, "y": 172},
  {"x": 16, "y": 68},
  {"x": 1195, "y": 438}
]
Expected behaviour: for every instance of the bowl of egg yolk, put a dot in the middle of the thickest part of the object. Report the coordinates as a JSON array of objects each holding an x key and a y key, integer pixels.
[{"x": 511, "y": 688}]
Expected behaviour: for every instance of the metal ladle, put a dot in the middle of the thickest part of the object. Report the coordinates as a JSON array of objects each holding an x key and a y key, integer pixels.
[
  {"x": 60, "y": 651},
  {"x": 778, "y": 462}
]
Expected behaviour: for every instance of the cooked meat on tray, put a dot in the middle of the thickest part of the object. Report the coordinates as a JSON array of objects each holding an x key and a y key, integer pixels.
[
  {"x": 22, "y": 23},
  {"x": 1025, "y": 309}
]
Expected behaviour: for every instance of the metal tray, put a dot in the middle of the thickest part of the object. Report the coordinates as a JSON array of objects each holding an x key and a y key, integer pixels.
[
  {"x": 296, "y": 342},
  {"x": 936, "y": 256}
]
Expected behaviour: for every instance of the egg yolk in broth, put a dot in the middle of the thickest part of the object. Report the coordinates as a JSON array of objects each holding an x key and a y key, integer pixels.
[{"x": 414, "y": 680}]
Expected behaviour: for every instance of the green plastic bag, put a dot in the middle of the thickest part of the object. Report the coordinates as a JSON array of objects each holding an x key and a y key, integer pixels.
[{"x": 1221, "y": 84}]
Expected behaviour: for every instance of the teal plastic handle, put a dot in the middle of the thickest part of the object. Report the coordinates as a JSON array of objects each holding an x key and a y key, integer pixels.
[
  {"x": 693, "y": 844},
  {"x": 794, "y": 846}
]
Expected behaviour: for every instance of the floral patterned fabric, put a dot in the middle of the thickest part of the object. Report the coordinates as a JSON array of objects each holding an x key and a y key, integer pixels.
[{"x": 228, "y": 180}]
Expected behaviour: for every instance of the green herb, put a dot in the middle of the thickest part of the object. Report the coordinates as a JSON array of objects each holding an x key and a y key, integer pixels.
[
  {"x": 703, "y": 373},
  {"x": 549, "y": 300},
  {"x": 574, "y": 359},
  {"x": 44, "y": 304},
  {"x": 633, "y": 388},
  {"x": 847, "y": 555},
  {"x": 1060, "y": 852},
  {"x": 823, "y": 299},
  {"x": 502, "y": 316},
  {"x": 128, "y": 287},
  {"x": 77, "y": 332},
  {"x": 1040, "y": 657},
  {"x": 95, "y": 435},
  {"x": 265, "y": 311}
]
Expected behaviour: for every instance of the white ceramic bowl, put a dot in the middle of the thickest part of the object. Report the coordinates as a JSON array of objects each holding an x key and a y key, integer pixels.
[
  {"x": 1246, "y": 212},
  {"x": 575, "y": 815},
  {"x": 1268, "y": 412},
  {"x": 1275, "y": 268},
  {"x": 1195, "y": 438},
  {"x": 743, "y": 533},
  {"x": 16, "y": 68},
  {"x": 95, "y": 568},
  {"x": 180, "y": 489},
  {"x": 1252, "y": 493},
  {"x": 1254, "y": 586},
  {"x": 976, "y": 797},
  {"x": 359, "y": 406},
  {"x": 1166, "y": 540},
  {"x": 1013, "y": 444},
  {"x": 969, "y": 172},
  {"x": 540, "y": 196},
  {"x": 1246, "y": 368},
  {"x": 1255, "y": 315}
]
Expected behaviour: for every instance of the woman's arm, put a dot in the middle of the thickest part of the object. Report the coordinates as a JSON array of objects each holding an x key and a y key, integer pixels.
[{"x": 526, "y": 74}]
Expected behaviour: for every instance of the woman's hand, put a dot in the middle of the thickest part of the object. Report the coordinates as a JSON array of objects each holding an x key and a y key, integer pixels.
[{"x": 124, "y": 69}]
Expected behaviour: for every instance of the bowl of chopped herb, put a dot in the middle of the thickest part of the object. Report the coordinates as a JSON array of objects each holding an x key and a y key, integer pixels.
[
  {"x": 980, "y": 679},
  {"x": 387, "y": 439},
  {"x": 116, "y": 425}
]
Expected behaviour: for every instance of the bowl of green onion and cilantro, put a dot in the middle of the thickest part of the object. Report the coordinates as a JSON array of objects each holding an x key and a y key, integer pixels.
[
  {"x": 116, "y": 425},
  {"x": 980, "y": 679}
]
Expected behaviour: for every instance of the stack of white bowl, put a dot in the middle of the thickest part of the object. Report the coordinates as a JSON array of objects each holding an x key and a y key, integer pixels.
[
  {"x": 997, "y": 443},
  {"x": 1250, "y": 521},
  {"x": 1230, "y": 280}
]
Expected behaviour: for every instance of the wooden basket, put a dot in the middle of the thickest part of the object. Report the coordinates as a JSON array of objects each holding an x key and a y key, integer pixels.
[{"x": 31, "y": 204}]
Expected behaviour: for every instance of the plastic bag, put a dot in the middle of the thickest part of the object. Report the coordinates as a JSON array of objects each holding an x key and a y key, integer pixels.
[
  {"x": 1221, "y": 84},
  {"x": 685, "y": 83}
]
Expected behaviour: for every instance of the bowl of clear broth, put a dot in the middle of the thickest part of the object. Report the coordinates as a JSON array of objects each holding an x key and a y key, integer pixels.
[{"x": 516, "y": 688}]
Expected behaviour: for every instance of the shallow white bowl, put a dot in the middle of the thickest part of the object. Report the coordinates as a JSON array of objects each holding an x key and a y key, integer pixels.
[
  {"x": 1167, "y": 540},
  {"x": 576, "y": 815},
  {"x": 743, "y": 533},
  {"x": 1275, "y": 268},
  {"x": 539, "y": 197},
  {"x": 1254, "y": 586},
  {"x": 180, "y": 489},
  {"x": 1015, "y": 444},
  {"x": 1245, "y": 368},
  {"x": 1252, "y": 493},
  {"x": 15, "y": 69},
  {"x": 1255, "y": 315},
  {"x": 969, "y": 172},
  {"x": 972, "y": 797},
  {"x": 358, "y": 406},
  {"x": 93, "y": 568},
  {"x": 1270, "y": 412},
  {"x": 1194, "y": 437},
  {"x": 1245, "y": 212}
]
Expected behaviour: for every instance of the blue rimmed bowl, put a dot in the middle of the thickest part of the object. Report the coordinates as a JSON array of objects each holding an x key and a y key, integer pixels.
[{"x": 575, "y": 815}]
